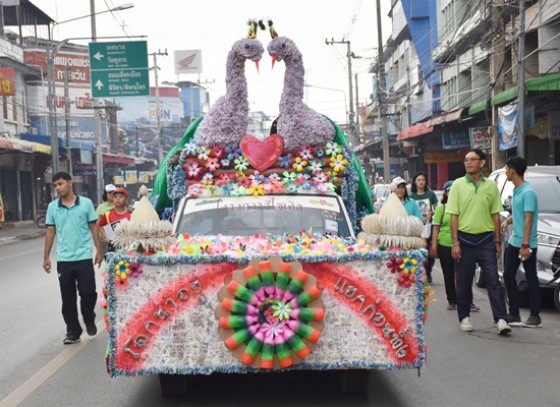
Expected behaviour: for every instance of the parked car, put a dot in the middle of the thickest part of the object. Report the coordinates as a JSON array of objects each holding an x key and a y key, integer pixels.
[{"x": 545, "y": 180}]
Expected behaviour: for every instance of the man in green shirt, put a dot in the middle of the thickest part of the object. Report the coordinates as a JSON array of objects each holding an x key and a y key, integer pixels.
[{"x": 474, "y": 205}]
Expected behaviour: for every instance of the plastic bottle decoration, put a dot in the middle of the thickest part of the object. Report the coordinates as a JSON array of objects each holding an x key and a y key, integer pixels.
[{"x": 270, "y": 314}]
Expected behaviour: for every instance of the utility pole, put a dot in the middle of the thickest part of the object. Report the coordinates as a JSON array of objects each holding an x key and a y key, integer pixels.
[
  {"x": 521, "y": 82},
  {"x": 381, "y": 82},
  {"x": 158, "y": 105},
  {"x": 67, "y": 120},
  {"x": 353, "y": 137},
  {"x": 100, "y": 184}
]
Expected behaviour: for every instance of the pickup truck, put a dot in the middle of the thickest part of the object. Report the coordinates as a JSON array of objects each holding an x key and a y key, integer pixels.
[{"x": 256, "y": 284}]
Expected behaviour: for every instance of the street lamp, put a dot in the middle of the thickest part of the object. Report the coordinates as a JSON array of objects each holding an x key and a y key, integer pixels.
[{"x": 52, "y": 50}]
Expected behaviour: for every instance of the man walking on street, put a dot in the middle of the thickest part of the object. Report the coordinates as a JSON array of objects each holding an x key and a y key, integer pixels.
[
  {"x": 522, "y": 245},
  {"x": 73, "y": 220},
  {"x": 475, "y": 206}
]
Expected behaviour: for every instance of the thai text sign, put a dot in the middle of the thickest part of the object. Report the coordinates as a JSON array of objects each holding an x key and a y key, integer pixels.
[
  {"x": 7, "y": 81},
  {"x": 480, "y": 138},
  {"x": 119, "y": 69}
]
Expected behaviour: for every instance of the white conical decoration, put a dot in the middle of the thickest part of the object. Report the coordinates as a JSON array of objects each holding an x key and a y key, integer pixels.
[
  {"x": 144, "y": 211},
  {"x": 392, "y": 227}
]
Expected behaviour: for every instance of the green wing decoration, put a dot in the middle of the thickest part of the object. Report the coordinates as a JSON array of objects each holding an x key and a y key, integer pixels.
[
  {"x": 160, "y": 184},
  {"x": 363, "y": 195}
]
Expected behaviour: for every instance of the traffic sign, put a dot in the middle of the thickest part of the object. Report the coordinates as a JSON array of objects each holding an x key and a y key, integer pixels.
[{"x": 119, "y": 69}]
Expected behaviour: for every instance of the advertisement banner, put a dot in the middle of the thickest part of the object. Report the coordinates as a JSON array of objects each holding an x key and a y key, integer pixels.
[
  {"x": 507, "y": 126},
  {"x": 189, "y": 61},
  {"x": 453, "y": 140},
  {"x": 7, "y": 81},
  {"x": 554, "y": 125},
  {"x": 480, "y": 138}
]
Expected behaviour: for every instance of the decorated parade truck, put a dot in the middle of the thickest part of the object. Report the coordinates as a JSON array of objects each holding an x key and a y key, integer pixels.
[{"x": 274, "y": 261}]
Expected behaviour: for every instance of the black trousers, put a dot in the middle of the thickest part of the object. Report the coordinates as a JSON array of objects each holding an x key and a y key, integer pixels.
[
  {"x": 78, "y": 275},
  {"x": 448, "y": 267},
  {"x": 483, "y": 252},
  {"x": 511, "y": 264}
]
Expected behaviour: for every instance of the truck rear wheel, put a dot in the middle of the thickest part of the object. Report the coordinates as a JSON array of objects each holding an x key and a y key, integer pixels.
[
  {"x": 174, "y": 386},
  {"x": 354, "y": 381}
]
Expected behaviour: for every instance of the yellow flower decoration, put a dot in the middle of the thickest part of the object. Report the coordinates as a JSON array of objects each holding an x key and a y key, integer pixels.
[
  {"x": 256, "y": 190},
  {"x": 299, "y": 164},
  {"x": 338, "y": 163},
  {"x": 409, "y": 265}
]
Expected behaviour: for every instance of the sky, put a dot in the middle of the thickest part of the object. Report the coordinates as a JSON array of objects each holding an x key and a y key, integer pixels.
[{"x": 214, "y": 25}]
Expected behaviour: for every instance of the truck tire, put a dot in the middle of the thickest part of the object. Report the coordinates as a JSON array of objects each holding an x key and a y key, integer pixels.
[
  {"x": 174, "y": 386},
  {"x": 354, "y": 381}
]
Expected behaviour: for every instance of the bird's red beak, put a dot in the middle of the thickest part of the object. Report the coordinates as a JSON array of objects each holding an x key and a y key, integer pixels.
[
  {"x": 274, "y": 59},
  {"x": 257, "y": 64}
]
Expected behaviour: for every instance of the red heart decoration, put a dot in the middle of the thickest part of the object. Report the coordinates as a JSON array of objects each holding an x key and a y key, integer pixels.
[{"x": 262, "y": 154}]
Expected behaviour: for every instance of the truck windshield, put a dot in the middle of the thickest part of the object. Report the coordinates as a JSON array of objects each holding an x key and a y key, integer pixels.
[{"x": 273, "y": 214}]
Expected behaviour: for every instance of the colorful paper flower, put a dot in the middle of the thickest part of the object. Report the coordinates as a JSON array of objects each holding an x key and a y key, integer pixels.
[
  {"x": 190, "y": 148},
  {"x": 193, "y": 170},
  {"x": 320, "y": 177},
  {"x": 217, "y": 152},
  {"x": 306, "y": 153},
  {"x": 203, "y": 153},
  {"x": 225, "y": 162},
  {"x": 286, "y": 160},
  {"x": 338, "y": 163},
  {"x": 282, "y": 310},
  {"x": 255, "y": 190},
  {"x": 299, "y": 164},
  {"x": 333, "y": 149},
  {"x": 232, "y": 152},
  {"x": 241, "y": 163},
  {"x": 319, "y": 152},
  {"x": 289, "y": 176},
  {"x": 212, "y": 164},
  {"x": 315, "y": 166}
]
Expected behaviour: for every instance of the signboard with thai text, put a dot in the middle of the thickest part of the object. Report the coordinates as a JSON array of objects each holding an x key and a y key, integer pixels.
[
  {"x": 480, "y": 138},
  {"x": 119, "y": 69},
  {"x": 7, "y": 81}
]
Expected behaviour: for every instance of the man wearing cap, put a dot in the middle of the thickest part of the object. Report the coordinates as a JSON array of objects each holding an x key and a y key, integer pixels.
[
  {"x": 474, "y": 205},
  {"x": 72, "y": 219},
  {"x": 107, "y": 203},
  {"x": 109, "y": 221}
]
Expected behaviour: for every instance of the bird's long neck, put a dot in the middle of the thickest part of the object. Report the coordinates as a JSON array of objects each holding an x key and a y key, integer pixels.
[
  {"x": 293, "y": 79},
  {"x": 236, "y": 84}
]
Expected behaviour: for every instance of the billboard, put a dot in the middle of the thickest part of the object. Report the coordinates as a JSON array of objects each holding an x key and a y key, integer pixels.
[{"x": 188, "y": 61}]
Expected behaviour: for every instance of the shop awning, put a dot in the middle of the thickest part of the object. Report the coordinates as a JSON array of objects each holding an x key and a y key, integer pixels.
[
  {"x": 450, "y": 117},
  {"x": 414, "y": 131},
  {"x": 545, "y": 83},
  {"x": 504, "y": 96},
  {"x": 117, "y": 159},
  {"x": 24, "y": 146},
  {"x": 478, "y": 107}
]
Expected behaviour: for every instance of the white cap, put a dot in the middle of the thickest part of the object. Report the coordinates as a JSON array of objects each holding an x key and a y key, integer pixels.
[
  {"x": 396, "y": 182},
  {"x": 110, "y": 188}
]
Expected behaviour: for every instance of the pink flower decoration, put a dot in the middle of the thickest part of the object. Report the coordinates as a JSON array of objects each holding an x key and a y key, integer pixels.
[
  {"x": 212, "y": 164},
  {"x": 217, "y": 152},
  {"x": 306, "y": 153},
  {"x": 193, "y": 171}
]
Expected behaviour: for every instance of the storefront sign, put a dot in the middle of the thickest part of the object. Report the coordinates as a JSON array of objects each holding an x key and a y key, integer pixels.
[
  {"x": 480, "y": 138},
  {"x": 554, "y": 125},
  {"x": 443, "y": 157},
  {"x": 455, "y": 140},
  {"x": 7, "y": 81}
]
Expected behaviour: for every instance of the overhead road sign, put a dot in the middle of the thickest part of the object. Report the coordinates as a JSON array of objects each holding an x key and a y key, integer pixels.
[{"x": 119, "y": 69}]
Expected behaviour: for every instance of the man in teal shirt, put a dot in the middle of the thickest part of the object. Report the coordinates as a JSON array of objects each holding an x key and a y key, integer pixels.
[
  {"x": 72, "y": 219},
  {"x": 474, "y": 205},
  {"x": 522, "y": 245}
]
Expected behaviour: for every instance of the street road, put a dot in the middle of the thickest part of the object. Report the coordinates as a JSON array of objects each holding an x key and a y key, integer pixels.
[{"x": 476, "y": 369}]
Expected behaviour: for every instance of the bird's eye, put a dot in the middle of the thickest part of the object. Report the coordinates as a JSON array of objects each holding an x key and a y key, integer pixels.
[
  {"x": 246, "y": 46},
  {"x": 283, "y": 45}
]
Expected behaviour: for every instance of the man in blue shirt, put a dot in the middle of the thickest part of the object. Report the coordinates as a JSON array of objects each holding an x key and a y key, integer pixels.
[
  {"x": 522, "y": 245},
  {"x": 72, "y": 219}
]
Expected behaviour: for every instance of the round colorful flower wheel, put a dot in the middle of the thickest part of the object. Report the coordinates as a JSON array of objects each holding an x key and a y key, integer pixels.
[{"x": 270, "y": 314}]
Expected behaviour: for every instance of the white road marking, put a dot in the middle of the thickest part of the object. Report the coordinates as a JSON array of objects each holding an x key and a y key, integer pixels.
[{"x": 43, "y": 374}]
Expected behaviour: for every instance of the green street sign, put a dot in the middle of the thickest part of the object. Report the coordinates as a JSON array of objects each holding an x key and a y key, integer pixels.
[{"x": 119, "y": 69}]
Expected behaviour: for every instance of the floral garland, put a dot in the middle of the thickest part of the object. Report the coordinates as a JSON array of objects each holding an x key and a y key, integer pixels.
[
  {"x": 270, "y": 312},
  {"x": 203, "y": 171}
]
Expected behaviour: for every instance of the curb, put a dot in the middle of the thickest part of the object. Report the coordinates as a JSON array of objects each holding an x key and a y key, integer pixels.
[{"x": 27, "y": 236}]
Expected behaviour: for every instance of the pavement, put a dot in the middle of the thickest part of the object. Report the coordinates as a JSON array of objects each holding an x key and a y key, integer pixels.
[{"x": 13, "y": 232}]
